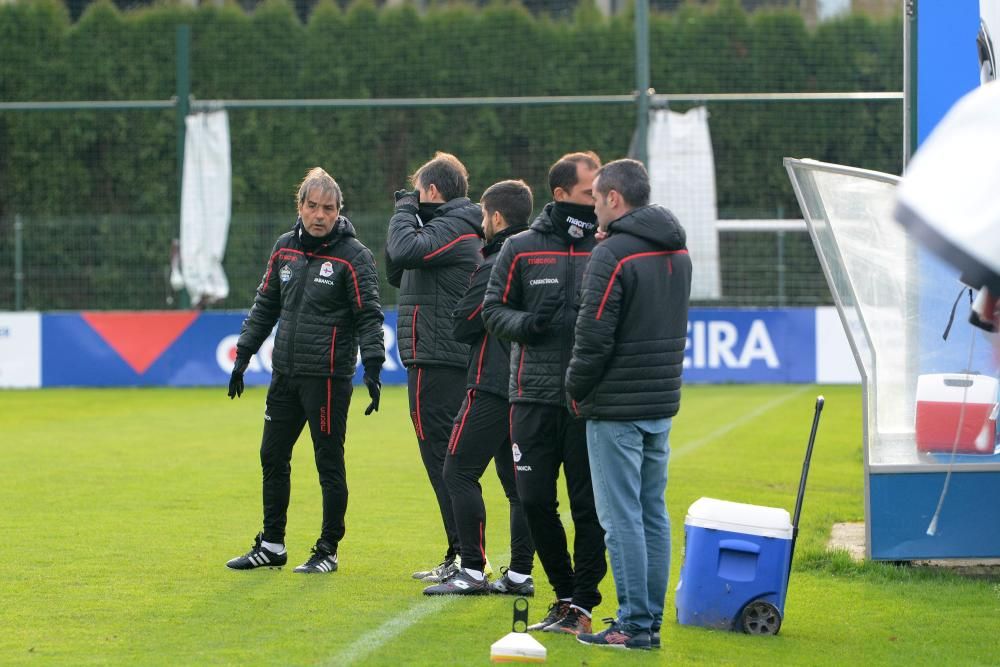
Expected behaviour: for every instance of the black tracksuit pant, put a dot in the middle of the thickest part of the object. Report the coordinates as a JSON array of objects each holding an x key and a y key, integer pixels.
[
  {"x": 291, "y": 402},
  {"x": 436, "y": 394},
  {"x": 481, "y": 433},
  {"x": 545, "y": 437}
]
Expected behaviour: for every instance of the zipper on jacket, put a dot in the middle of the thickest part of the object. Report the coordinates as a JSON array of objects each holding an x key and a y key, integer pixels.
[
  {"x": 413, "y": 332},
  {"x": 333, "y": 347},
  {"x": 294, "y": 324}
]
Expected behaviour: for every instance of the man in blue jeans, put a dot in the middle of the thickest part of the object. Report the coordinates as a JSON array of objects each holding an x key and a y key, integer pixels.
[{"x": 625, "y": 378}]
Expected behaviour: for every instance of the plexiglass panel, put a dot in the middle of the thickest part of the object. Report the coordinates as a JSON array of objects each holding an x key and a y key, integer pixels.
[{"x": 930, "y": 399}]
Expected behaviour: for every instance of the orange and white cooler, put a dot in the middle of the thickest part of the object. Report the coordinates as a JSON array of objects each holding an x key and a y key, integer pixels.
[{"x": 940, "y": 398}]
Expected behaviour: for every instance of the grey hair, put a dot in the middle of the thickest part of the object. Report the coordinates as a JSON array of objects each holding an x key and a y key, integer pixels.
[{"x": 317, "y": 179}]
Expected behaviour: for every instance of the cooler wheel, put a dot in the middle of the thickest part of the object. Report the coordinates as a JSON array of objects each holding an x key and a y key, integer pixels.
[{"x": 760, "y": 618}]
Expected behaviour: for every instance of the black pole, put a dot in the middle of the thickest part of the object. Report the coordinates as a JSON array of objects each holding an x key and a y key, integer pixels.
[{"x": 805, "y": 473}]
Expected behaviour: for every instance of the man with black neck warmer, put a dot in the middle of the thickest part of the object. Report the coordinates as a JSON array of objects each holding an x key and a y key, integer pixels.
[
  {"x": 481, "y": 432},
  {"x": 531, "y": 301},
  {"x": 432, "y": 248},
  {"x": 321, "y": 284}
]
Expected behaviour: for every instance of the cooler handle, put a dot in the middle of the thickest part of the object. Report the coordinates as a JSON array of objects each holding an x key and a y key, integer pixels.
[
  {"x": 954, "y": 382},
  {"x": 740, "y": 545}
]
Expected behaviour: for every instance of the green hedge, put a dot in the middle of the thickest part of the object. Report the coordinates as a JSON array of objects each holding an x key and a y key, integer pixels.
[{"x": 104, "y": 163}]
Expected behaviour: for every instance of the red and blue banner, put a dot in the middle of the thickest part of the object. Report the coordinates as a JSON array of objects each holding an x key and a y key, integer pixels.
[{"x": 190, "y": 348}]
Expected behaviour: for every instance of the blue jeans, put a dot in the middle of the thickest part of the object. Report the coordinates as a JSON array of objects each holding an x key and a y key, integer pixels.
[{"x": 628, "y": 465}]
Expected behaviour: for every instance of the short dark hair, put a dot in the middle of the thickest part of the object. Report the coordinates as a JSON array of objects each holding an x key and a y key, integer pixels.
[
  {"x": 446, "y": 172},
  {"x": 626, "y": 177},
  {"x": 511, "y": 199},
  {"x": 563, "y": 173}
]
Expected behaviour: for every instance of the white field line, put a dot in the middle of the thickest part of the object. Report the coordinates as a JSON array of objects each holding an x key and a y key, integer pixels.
[
  {"x": 395, "y": 626},
  {"x": 392, "y": 628},
  {"x": 692, "y": 445}
]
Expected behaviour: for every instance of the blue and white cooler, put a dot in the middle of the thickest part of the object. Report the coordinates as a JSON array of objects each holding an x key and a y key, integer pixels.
[{"x": 736, "y": 565}]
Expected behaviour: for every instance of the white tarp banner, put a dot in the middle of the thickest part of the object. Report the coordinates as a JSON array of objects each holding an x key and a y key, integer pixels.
[
  {"x": 206, "y": 200},
  {"x": 20, "y": 350},
  {"x": 682, "y": 178}
]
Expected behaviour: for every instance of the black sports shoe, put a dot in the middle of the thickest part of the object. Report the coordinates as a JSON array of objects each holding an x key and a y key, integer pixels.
[
  {"x": 460, "y": 583},
  {"x": 323, "y": 559},
  {"x": 446, "y": 569},
  {"x": 573, "y": 622},
  {"x": 505, "y": 586},
  {"x": 654, "y": 637},
  {"x": 615, "y": 636},
  {"x": 557, "y": 610},
  {"x": 258, "y": 556}
]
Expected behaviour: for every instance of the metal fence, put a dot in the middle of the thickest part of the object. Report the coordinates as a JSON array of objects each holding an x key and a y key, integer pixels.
[
  {"x": 121, "y": 261},
  {"x": 89, "y": 190}
]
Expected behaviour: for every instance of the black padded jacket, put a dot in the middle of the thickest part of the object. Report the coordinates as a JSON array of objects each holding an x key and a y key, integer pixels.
[
  {"x": 535, "y": 269},
  {"x": 326, "y": 301},
  {"x": 489, "y": 364},
  {"x": 431, "y": 264},
  {"x": 632, "y": 326}
]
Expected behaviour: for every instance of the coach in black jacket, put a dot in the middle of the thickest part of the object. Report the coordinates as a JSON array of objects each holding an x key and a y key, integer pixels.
[
  {"x": 481, "y": 432},
  {"x": 531, "y": 301},
  {"x": 321, "y": 285},
  {"x": 625, "y": 376},
  {"x": 432, "y": 248}
]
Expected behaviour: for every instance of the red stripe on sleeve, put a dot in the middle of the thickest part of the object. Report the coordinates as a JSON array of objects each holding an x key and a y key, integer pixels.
[
  {"x": 614, "y": 274},
  {"x": 448, "y": 245}
]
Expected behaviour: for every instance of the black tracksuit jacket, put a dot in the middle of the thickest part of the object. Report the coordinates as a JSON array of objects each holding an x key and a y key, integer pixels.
[
  {"x": 327, "y": 302},
  {"x": 431, "y": 263},
  {"x": 489, "y": 365},
  {"x": 534, "y": 267},
  {"x": 632, "y": 327}
]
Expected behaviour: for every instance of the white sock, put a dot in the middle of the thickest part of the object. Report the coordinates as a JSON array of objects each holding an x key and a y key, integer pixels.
[
  {"x": 517, "y": 577},
  {"x": 272, "y": 547},
  {"x": 475, "y": 574},
  {"x": 581, "y": 609}
]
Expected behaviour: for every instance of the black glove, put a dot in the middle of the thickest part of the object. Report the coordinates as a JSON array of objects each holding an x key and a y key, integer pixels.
[
  {"x": 407, "y": 201},
  {"x": 236, "y": 379},
  {"x": 372, "y": 370},
  {"x": 545, "y": 320}
]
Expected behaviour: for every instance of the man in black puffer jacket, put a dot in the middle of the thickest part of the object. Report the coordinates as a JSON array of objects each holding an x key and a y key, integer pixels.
[
  {"x": 481, "y": 432},
  {"x": 625, "y": 376},
  {"x": 432, "y": 248},
  {"x": 321, "y": 284},
  {"x": 531, "y": 301}
]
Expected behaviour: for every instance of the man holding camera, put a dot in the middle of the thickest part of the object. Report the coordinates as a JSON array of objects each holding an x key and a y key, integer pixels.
[{"x": 432, "y": 248}]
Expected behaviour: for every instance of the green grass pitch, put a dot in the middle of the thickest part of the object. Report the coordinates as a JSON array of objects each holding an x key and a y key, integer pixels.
[{"x": 120, "y": 508}]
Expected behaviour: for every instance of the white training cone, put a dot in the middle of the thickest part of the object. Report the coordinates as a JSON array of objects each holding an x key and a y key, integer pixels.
[{"x": 517, "y": 647}]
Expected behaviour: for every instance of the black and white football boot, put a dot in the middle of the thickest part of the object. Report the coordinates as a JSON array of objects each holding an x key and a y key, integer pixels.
[
  {"x": 323, "y": 560},
  {"x": 258, "y": 556},
  {"x": 505, "y": 586}
]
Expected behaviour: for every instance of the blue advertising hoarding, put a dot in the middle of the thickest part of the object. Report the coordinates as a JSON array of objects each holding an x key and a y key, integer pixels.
[{"x": 188, "y": 348}]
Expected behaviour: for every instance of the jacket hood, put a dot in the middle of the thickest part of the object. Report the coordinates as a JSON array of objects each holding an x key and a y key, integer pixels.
[
  {"x": 497, "y": 242},
  {"x": 543, "y": 222},
  {"x": 462, "y": 208},
  {"x": 653, "y": 223},
  {"x": 342, "y": 227}
]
